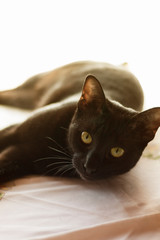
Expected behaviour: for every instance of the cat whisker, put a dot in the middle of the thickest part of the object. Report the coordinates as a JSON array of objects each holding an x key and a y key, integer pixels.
[
  {"x": 54, "y": 141},
  {"x": 55, "y": 163},
  {"x": 53, "y": 158},
  {"x": 62, "y": 158},
  {"x": 50, "y": 170},
  {"x": 59, "y": 151},
  {"x": 64, "y": 169},
  {"x": 45, "y": 158},
  {"x": 67, "y": 170}
]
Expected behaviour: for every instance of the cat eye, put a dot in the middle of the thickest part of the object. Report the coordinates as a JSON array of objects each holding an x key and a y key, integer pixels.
[
  {"x": 86, "y": 137},
  {"x": 117, "y": 152}
]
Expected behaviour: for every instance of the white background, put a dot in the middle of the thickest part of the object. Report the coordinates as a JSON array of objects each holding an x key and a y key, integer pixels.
[{"x": 39, "y": 35}]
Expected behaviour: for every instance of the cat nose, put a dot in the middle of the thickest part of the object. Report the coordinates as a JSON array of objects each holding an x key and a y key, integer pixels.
[{"x": 89, "y": 170}]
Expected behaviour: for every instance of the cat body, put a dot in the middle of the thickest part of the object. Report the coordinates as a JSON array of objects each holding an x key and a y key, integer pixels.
[
  {"x": 67, "y": 81},
  {"x": 88, "y": 123}
]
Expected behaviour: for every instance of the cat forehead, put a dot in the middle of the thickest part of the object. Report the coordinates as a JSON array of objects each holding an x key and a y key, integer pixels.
[
  {"x": 109, "y": 108},
  {"x": 114, "y": 116},
  {"x": 103, "y": 126},
  {"x": 114, "y": 119}
]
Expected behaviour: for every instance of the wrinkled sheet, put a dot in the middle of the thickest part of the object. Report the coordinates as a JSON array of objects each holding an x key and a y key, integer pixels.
[{"x": 123, "y": 207}]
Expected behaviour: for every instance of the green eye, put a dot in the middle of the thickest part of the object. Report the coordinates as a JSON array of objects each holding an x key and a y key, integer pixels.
[
  {"x": 86, "y": 137},
  {"x": 117, "y": 152}
]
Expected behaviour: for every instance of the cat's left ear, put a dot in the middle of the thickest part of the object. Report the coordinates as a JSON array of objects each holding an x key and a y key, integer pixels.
[
  {"x": 92, "y": 94},
  {"x": 147, "y": 123}
]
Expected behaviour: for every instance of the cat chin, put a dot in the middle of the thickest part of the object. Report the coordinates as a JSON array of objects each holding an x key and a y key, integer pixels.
[
  {"x": 84, "y": 176},
  {"x": 91, "y": 178},
  {"x": 87, "y": 178},
  {"x": 98, "y": 175}
]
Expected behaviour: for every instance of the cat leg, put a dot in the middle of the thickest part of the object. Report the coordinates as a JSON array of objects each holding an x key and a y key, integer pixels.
[
  {"x": 25, "y": 96},
  {"x": 8, "y": 137},
  {"x": 18, "y": 98},
  {"x": 12, "y": 165}
]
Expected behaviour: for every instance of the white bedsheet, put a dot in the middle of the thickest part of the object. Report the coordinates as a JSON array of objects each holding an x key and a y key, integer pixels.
[{"x": 124, "y": 207}]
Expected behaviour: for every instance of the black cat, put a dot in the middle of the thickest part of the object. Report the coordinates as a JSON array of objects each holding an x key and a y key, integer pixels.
[{"x": 101, "y": 135}]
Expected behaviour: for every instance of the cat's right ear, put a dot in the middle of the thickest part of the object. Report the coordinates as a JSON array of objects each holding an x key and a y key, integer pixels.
[
  {"x": 147, "y": 123},
  {"x": 92, "y": 95}
]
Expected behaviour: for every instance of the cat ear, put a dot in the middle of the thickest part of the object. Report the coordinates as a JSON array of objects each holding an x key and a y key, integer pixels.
[
  {"x": 147, "y": 123},
  {"x": 92, "y": 94}
]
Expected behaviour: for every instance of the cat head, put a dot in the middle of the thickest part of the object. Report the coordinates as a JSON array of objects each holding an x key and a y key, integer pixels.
[{"x": 106, "y": 138}]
